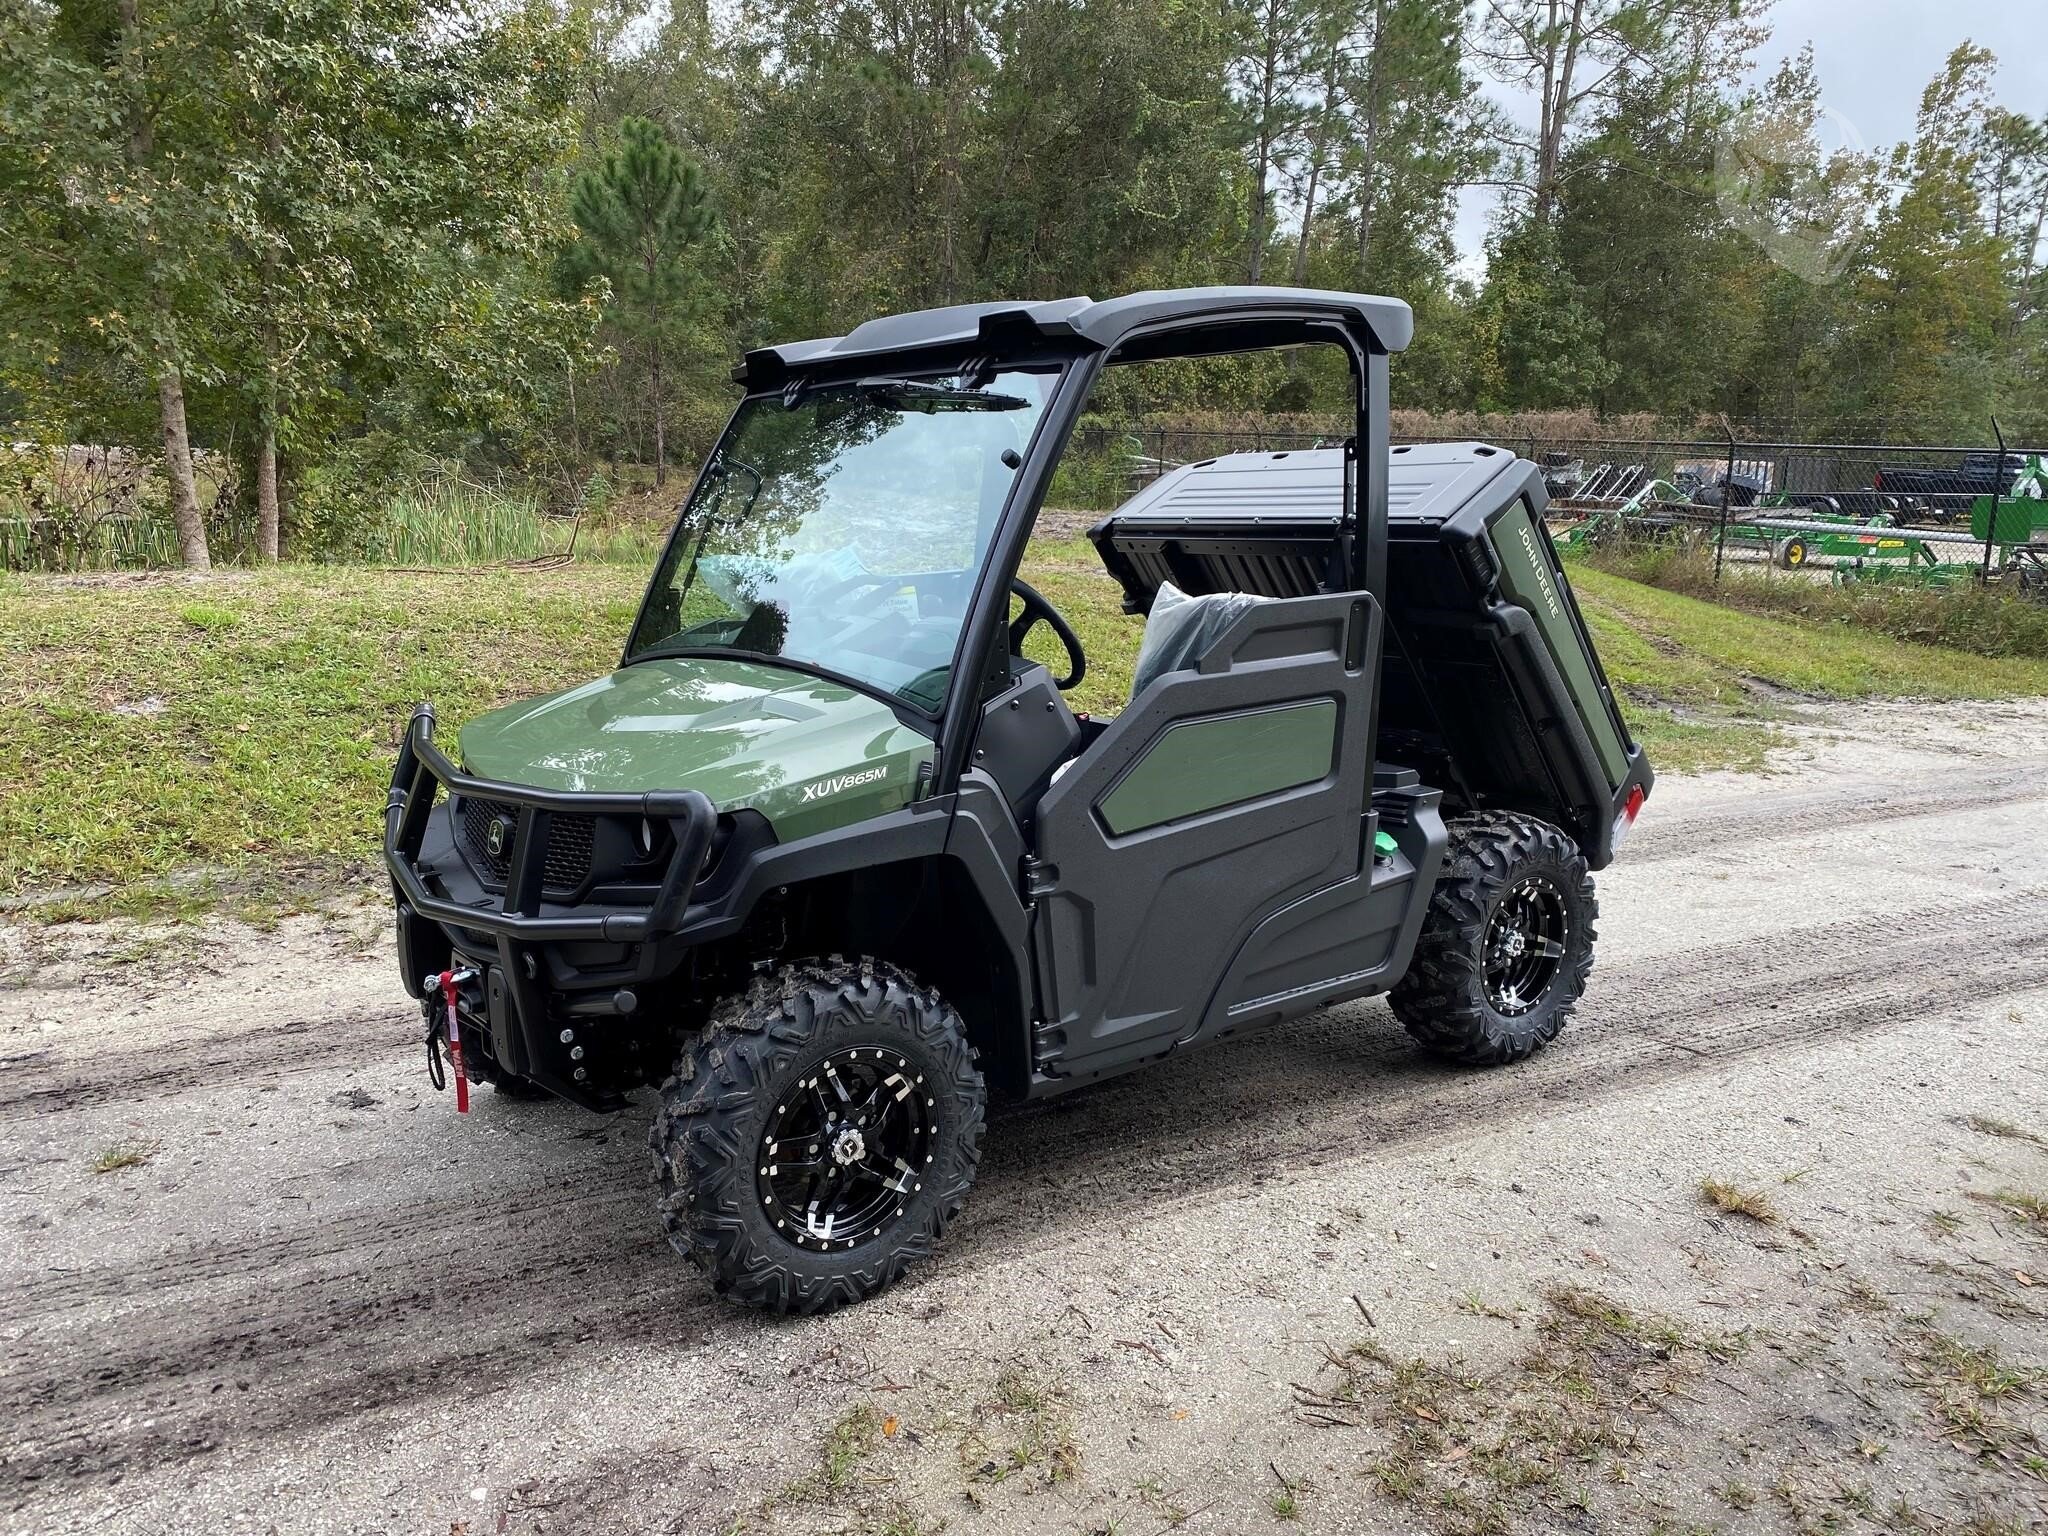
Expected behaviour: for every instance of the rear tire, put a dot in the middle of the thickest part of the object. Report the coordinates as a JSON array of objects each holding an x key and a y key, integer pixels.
[
  {"x": 1506, "y": 944},
  {"x": 833, "y": 1097}
]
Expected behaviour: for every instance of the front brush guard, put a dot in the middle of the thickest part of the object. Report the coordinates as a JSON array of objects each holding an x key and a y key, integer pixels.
[{"x": 688, "y": 813}]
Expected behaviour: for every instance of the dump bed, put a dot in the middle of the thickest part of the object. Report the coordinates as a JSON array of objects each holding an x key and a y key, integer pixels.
[{"x": 1489, "y": 681}]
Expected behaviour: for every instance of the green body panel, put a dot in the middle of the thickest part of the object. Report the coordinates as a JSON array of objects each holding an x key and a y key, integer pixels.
[
  {"x": 1941, "y": 574},
  {"x": 809, "y": 755},
  {"x": 1857, "y": 540},
  {"x": 1202, "y": 765},
  {"x": 2022, "y": 511},
  {"x": 1528, "y": 576}
]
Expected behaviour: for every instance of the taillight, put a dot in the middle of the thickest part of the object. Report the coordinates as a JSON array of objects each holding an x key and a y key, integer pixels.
[{"x": 1625, "y": 818}]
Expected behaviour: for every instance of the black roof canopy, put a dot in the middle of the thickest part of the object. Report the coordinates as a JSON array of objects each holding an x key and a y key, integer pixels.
[{"x": 1242, "y": 317}]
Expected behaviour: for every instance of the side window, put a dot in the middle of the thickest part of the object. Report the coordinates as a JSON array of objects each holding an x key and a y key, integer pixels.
[{"x": 1144, "y": 421}]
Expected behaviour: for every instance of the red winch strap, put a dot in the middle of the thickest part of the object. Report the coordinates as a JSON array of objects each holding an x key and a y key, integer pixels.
[{"x": 455, "y": 1044}]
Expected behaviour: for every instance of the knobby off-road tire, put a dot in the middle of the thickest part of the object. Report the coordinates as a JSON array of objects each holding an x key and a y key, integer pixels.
[
  {"x": 1501, "y": 873},
  {"x": 758, "y": 1066}
]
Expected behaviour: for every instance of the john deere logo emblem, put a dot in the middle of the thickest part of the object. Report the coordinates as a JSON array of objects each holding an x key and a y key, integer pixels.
[{"x": 497, "y": 836}]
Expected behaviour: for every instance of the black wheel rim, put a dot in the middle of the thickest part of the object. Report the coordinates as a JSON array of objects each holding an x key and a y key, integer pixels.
[
  {"x": 1525, "y": 945},
  {"x": 846, "y": 1148}
]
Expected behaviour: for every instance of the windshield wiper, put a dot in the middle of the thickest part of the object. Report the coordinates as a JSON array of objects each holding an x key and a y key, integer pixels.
[{"x": 924, "y": 395}]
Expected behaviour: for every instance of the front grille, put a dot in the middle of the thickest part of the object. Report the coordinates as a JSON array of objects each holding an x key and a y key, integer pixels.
[{"x": 567, "y": 864}]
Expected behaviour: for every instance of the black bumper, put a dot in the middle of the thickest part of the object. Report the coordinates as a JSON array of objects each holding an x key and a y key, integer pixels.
[
  {"x": 690, "y": 817},
  {"x": 500, "y": 930}
]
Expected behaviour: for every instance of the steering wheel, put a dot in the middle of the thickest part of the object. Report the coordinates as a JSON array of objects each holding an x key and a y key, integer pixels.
[{"x": 1037, "y": 609}]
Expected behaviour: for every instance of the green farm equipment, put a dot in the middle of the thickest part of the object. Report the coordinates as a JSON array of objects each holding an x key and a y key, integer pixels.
[
  {"x": 1851, "y": 549},
  {"x": 2007, "y": 543},
  {"x": 2022, "y": 512}
]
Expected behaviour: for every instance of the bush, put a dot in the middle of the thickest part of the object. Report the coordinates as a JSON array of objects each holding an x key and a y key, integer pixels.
[
  {"x": 336, "y": 509},
  {"x": 85, "y": 507},
  {"x": 374, "y": 500},
  {"x": 1095, "y": 473}
]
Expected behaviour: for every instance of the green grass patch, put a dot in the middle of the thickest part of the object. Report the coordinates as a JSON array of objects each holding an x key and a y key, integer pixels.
[
  {"x": 1703, "y": 683},
  {"x": 1966, "y": 617},
  {"x": 1072, "y": 579},
  {"x": 146, "y": 730},
  {"x": 457, "y": 523}
]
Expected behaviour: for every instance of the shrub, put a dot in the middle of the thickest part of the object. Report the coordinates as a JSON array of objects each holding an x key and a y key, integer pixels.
[{"x": 1986, "y": 621}]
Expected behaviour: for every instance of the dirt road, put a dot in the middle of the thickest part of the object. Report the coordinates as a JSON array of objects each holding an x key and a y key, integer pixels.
[{"x": 1305, "y": 1280}]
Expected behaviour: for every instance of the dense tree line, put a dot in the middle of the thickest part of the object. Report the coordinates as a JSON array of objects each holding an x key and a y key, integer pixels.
[{"x": 330, "y": 240}]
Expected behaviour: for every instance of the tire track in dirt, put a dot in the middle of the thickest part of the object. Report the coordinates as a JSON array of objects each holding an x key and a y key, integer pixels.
[
  {"x": 1648, "y": 1021},
  {"x": 1651, "y": 988},
  {"x": 266, "y": 1052},
  {"x": 403, "y": 1307},
  {"x": 1861, "y": 804}
]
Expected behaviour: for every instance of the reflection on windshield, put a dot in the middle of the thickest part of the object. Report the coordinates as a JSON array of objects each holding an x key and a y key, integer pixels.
[{"x": 846, "y": 530}]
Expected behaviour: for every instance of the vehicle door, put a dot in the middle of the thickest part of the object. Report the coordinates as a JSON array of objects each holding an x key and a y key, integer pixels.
[{"x": 1215, "y": 827}]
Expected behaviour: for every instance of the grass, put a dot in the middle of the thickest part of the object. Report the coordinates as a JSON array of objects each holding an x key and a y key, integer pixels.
[
  {"x": 453, "y": 522},
  {"x": 853, "y": 1438},
  {"x": 1736, "y": 1494},
  {"x": 1737, "y": 1201},
  {"x": 125, "y": 1154},
  {"x": 1963, "y": 618},
  {"x": 1026, "y": 1425},
  {"x": 1703, "y": 683},
  {"x": 2025, "y": 1204},
  {"x": 245, "y": 726},
  {"x": 1473, "y": 1455},
  {"x": 1985, "y": 1403},
  {"x": 435, "y": 520},
  {"x": 169, "y": 744}
]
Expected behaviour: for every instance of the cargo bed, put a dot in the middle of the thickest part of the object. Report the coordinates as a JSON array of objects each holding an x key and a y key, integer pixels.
[{"x": 1490, "y": 685}]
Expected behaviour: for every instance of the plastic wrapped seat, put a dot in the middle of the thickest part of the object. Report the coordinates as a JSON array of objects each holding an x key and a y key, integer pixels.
[{"x": 1179, "y": 630}]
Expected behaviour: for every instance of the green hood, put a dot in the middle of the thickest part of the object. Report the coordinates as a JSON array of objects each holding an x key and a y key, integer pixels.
[{"x": 808, "y": 754}]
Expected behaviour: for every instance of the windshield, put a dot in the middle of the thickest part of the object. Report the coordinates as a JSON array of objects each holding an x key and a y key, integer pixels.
[{"x": 846, "y": 530}]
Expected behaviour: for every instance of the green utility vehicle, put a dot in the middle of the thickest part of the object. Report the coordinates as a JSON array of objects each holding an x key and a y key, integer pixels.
[{"x": 830, "y": 863}]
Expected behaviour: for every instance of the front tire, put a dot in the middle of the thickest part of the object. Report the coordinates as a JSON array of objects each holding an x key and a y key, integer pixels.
[
  {"x": 1505, "y": 946},
  {"x": 819, "y": 1136}
]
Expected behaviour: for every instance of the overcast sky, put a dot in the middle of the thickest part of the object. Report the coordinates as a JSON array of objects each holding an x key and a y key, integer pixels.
[{"x": 1873, "y": 57}]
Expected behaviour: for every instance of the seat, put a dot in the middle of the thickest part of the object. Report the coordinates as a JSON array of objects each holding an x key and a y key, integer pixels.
[{"x": 1179, "y": 630}]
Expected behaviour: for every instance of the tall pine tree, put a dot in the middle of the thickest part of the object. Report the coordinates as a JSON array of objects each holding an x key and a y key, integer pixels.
[{"x": 641, "y": 212}]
